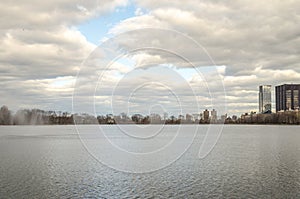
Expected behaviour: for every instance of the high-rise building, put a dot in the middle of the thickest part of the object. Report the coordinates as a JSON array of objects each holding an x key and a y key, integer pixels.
[
  {"x": 214, "y": 116},
  {"x": 206, "y": 116},
  {"x": 265, "y": 100},
  {"x": 287, "y": 97}
]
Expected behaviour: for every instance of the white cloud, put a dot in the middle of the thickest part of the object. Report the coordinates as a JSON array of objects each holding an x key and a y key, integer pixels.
[
  {"x": 238, "y": 34},
  {"x": 138, "y": 12},
  {"x": 40, "y": 46},
  {"x": 251, "y": 42},
  {"x": 257, "y": 41}
]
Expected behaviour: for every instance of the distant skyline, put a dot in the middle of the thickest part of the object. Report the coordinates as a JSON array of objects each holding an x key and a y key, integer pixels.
[{"x": 43, "y": 44}]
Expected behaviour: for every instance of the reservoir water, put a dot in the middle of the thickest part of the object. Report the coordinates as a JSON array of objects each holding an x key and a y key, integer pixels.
[{"x": 57, "y": 162}]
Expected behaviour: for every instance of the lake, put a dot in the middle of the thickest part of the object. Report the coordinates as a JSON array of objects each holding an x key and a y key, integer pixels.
[{"x": 149, "y": 162}]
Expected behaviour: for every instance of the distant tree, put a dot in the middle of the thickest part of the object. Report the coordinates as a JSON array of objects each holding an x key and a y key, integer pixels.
[
  {"x": 5, "y": 116},
  {"x": 137, "y": 118},
  {"x": 165, "y": 116},
  {"x": 20, "y": 118},
  {"x": 173, "y": 119},
  {"x": 110, "y": 119},
  {"x": 101, "y": 119},
  {"x": 146, "y": 120}
]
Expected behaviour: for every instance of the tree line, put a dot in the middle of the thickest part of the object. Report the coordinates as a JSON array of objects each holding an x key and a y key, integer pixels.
[
  {"x": 34, "y": 117},
  {"x": 41, "y": 117}
]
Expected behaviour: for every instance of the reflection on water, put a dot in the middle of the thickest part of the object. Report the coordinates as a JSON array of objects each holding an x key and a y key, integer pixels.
[{"x": 247, "y": 162}]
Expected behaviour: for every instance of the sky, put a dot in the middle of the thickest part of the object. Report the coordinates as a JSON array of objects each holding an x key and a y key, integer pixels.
[{"x": 146, "y": 56}]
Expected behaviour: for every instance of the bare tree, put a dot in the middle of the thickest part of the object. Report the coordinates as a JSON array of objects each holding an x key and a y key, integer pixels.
[{"x": 5, "y": 116}]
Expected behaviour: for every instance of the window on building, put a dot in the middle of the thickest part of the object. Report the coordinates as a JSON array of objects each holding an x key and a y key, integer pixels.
[
  {"x": 288, "y": 94},
  {"x": 296, "y": 99}
]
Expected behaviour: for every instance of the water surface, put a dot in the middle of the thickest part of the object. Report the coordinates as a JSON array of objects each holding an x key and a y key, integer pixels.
[{"x": 247, "y": 162}]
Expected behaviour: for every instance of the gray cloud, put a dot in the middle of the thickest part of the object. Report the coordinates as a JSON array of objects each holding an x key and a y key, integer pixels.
[
  {"x": 41, "y": 51},
  {"x": 238, "y": 34},
  {"x": 256, "y": 41}
]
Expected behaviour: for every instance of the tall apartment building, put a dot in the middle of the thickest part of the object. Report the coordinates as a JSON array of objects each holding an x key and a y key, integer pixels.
[
  {"x": 287, "y": 97},
  {"x": 214, "y": 116},
  {"x": 265, "y": 99},
  {"x": 206, "y": 116}
]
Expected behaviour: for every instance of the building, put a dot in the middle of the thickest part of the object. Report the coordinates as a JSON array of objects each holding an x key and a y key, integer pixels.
[
  {"x": 196, "y": 116},
  {"x": 287, "y": 97},
  {"x": 201, "y": 116},
  {"x": 214, "y": 116},
  {"x": 223, "y": 118},
  {"x": 188, "y": 118},
  {"x": 155, "y": 118},
  {"x": 265, "y": 100},
  {"x": 206, "y": 116}
]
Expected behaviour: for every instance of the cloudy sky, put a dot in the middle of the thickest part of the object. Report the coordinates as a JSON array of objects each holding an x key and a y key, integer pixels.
[{"x": 146, "y": 56}]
